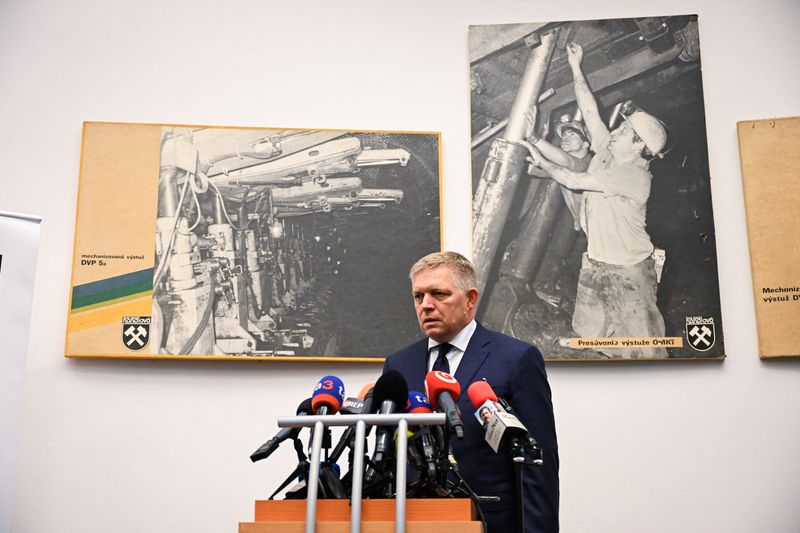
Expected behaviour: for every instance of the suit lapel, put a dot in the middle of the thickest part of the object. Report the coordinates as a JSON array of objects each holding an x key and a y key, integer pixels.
[
  {"x": 478, "y": 350},
  {"x": 419, "y": 367}
]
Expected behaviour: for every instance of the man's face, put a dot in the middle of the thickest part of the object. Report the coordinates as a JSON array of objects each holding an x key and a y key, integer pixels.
[
  {"x": 442, "y": 308},
  {"x": 622, "y": 140},
  {"x": 571, "y": 141}
]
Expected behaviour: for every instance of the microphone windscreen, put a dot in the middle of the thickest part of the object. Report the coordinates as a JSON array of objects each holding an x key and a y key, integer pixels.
[
  {"x": 391, "y": 386},
  {"x": 305, "y": 407},
  {"x": 364, "y": 390},
  {"x": 418, "y": 403},
  {"x": 437, "y": 382},
  {"x": 479, "y": 392},
  {"x": 329, "y": 391}
]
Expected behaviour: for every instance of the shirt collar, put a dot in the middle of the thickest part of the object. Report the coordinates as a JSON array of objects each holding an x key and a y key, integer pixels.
[{"x": 462, "y": 338}]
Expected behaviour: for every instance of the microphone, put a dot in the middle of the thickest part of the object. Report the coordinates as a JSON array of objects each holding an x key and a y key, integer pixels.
[
  {"x": 479, "y": 392},
  {"x": 328, "y": 395},
  {"x": 443, "y": 391},
  {"x": 424, "y": 454},
  {"x": 266, "y": 449},
  {"x": 504, "y": 431},
  {"x": 368, "y": 394},
  {"x": 366, "y": 390},
  {"x": 391, "y": 394},
  {"x": 354, "y": 407},
  {"x": 418, "y": 403}
]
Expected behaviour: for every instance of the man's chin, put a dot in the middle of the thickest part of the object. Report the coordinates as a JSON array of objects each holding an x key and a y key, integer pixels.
[{"x": 434, "y": 332}]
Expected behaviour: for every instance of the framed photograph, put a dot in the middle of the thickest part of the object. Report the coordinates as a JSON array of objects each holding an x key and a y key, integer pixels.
[
  {"x": 249, "y": 243},
  {"x": 593, "y": 227}
]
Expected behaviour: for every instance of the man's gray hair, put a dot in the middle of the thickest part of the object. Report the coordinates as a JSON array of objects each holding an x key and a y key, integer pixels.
[{"x": 460, "y": 266}]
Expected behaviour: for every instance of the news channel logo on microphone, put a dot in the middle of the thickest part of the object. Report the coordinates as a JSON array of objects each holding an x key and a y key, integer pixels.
[{"x": 329, "y": 391}]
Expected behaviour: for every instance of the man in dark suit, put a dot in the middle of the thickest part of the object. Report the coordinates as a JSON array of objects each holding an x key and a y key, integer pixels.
[{"x": 445, "y": 299}]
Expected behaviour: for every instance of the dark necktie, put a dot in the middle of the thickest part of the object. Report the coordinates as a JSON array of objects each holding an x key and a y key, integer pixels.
[{"x": 441, "y": 359}]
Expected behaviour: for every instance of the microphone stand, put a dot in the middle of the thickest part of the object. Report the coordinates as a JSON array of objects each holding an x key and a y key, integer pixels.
[
  {"x": 329, "y": 483},
  {"x": 519, "y": 452},
  {"x": 302, "y": 467},
  {"x": 447, "y": 452},
  {"x": 519, "y": 463},
  {"x": 326, "y": 440},
  {"x": 523, "y": 452}
]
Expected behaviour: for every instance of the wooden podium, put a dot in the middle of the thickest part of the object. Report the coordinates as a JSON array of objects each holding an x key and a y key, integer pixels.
[{"x": 443, "y": 515}]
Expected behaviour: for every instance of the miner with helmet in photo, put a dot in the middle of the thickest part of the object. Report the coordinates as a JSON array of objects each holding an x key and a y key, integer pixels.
[
  {"x": 617, "y": 287},
  {"x": 572, "y": 152}
]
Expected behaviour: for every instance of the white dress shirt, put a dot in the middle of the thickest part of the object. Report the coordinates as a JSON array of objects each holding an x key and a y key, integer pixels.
[{"x": 459, "y": 346}]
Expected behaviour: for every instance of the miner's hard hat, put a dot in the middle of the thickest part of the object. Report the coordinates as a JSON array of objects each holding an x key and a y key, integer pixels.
[
  {"x": 649, "y": 129},
  {"x": 573, "y": 125}
]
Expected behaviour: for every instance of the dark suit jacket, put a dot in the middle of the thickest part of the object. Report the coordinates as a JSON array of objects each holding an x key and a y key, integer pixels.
[{"x": 515, "y": 370}]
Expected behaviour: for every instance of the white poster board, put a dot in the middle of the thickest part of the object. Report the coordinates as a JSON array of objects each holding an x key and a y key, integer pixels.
[{"x": 19, "y": 245}]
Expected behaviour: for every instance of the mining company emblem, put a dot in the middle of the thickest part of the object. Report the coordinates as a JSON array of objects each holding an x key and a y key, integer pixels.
[
  {"x": 700, "y": 332},
  {"x": 135, "y": 332}
]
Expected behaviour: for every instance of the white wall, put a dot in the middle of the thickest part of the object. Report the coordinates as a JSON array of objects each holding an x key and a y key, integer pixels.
[{"x": 163, "y": 447}]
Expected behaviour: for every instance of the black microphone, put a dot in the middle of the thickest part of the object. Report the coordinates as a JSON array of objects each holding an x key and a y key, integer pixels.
[
  {"x": 391, "y": 395},
  {"x": 266, "y": 449},
  {"x": 504, "y": 431},
  {"x": 423, "y": 449}
]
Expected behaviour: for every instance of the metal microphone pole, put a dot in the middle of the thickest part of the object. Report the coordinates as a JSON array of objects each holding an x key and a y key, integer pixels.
[
  {"x": 313, "y": 477},
  {"x": 357, "y": 473},
  {"x": 400, "y": 483}
]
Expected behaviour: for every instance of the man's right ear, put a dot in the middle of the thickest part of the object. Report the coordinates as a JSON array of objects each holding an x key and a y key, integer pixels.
[{"x": 472, "y": 296}]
